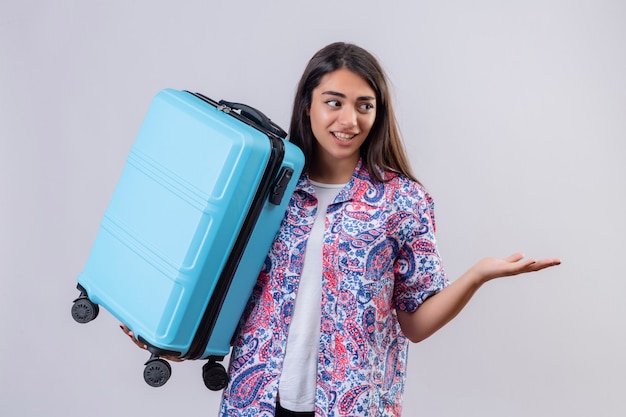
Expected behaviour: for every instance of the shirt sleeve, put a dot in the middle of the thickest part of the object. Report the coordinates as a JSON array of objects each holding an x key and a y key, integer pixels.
[{"x": 418, "y": 267}]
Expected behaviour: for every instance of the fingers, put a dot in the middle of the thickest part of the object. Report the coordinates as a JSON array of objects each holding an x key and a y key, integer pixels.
[
  {"x": 515, "y": 257},
  {"x": 530, "y": 265},
  {"x": 130, "y": 334},
  {"x": 516, "y": 264},
  {"x": 545, "y": 263}
]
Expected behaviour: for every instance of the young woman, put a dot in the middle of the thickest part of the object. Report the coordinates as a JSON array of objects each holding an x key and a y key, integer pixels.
[{"x": 354, "y": 273}]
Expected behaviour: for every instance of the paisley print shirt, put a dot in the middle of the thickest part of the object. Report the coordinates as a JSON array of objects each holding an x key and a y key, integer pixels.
[{"x": 379, "y": 255}]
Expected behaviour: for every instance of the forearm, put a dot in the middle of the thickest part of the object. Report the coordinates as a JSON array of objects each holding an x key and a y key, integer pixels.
[{"x": 440, "y": 308}]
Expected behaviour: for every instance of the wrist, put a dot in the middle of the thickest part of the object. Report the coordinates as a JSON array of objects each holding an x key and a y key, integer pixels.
[{"x": 476, "y": 276}]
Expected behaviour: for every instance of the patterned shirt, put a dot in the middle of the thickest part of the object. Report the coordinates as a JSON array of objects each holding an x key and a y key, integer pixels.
[{"x": 379, "y": 255}]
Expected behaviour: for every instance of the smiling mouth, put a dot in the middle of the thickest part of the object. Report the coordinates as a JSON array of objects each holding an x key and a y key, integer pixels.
[{"x": 344, "y": 137}]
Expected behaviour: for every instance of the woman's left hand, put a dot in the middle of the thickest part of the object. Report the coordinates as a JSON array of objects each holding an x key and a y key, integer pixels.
[
  {"x": 442, "y": 307},
  {"x": 490, "y": 268}
]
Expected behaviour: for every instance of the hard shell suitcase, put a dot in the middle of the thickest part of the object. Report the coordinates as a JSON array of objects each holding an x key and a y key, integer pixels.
[{"x": 200, "y": 199}]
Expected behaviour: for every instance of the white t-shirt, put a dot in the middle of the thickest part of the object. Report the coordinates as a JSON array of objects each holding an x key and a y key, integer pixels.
[{"x": 296, "y": 389}]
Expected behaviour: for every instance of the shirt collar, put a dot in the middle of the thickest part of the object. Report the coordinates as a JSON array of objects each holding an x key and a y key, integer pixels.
[{"x": 361, "y": 187}]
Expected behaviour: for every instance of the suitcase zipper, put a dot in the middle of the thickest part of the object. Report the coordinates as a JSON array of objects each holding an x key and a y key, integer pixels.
[
  {"x": 267, "y": 188},
  {"x": 248, "y": 115}
]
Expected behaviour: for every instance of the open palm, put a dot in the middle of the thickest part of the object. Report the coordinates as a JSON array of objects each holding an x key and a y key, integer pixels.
[{"x": 490, "y": 268}]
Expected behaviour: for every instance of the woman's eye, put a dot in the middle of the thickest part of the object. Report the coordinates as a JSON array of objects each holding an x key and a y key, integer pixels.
[
  {"x": 333, "y": 103},
  {"x": 367, "y": 106}
]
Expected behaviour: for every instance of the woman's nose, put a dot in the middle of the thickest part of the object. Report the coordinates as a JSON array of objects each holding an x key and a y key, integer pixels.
[{"x": 347, "y": 117}]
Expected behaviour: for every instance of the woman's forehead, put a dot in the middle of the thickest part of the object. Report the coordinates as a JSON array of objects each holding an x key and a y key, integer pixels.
[{"x": 346, "y": 83}]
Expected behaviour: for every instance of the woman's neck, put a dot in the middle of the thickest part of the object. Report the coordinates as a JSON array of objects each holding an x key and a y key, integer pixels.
[{"x": 332, "y": 172}]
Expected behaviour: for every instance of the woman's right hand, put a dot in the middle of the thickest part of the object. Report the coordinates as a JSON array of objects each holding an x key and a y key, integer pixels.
[{"x": 130, "y": 334}]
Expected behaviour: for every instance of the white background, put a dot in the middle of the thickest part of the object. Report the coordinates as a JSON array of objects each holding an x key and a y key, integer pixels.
[{"x": 514, "y": 114}]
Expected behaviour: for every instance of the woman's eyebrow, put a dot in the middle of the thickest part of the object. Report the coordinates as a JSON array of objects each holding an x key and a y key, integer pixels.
[{"x": 338, "y": 94}]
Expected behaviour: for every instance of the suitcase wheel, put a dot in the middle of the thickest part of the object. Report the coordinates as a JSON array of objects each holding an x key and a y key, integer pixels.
[
  {"x": 157, "y": 372},
  {"x": 214, "y": 376},
  {"x": 84, "y": 311}
]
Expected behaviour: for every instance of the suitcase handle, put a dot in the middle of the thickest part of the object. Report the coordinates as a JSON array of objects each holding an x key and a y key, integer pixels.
[{"x": 255, "y": 115}]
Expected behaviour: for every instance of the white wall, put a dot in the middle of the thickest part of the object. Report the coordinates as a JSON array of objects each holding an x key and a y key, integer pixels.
[{"x": 514, "y": 115}]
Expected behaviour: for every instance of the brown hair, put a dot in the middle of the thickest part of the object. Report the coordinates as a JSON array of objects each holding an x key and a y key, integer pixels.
[{"x": 383, "y": 149}]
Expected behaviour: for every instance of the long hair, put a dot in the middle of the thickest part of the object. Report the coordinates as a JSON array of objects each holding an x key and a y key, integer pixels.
[{"x": 383, "y": 149}]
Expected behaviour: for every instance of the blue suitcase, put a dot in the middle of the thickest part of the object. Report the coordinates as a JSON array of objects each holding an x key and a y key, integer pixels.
[{"x": 202, "y": 194}]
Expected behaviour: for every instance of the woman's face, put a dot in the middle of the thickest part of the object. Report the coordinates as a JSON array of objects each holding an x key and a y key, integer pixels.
[{"x": 342, "y": 112}]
